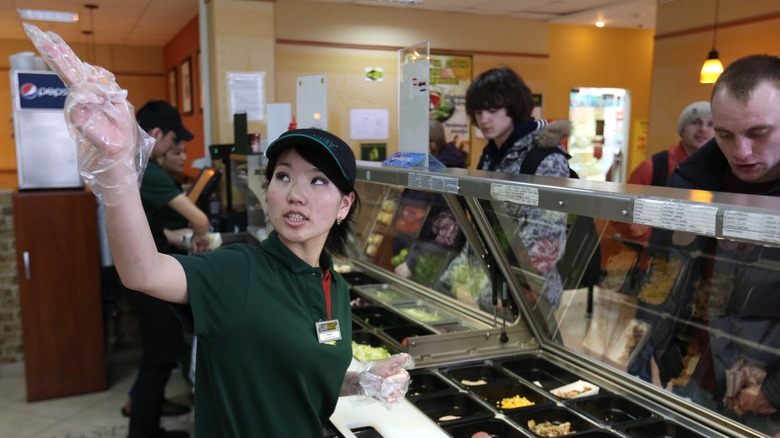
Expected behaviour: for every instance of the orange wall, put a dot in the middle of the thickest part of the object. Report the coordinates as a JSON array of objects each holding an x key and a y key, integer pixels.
[
  {"x": 744, "y": 27},
  {"x": 185, "y": 45}
]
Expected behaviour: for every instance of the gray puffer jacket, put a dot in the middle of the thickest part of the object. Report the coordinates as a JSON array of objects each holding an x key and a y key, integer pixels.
[{"x": 541, "y": 232}]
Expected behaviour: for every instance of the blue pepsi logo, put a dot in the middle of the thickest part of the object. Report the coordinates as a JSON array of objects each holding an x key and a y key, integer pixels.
[
  {"x": 28, "y": 91},
  {"x": 31, "y": 91}
]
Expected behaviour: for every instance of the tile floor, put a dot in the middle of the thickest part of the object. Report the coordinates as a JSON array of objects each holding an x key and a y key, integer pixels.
[{"x": 84, "y": 416}]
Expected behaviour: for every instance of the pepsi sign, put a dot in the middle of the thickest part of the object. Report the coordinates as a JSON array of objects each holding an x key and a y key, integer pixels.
[{"x": 40, "y": 91}]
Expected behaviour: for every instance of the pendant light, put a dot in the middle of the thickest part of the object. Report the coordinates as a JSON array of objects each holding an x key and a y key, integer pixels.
[{"x": 712, "y": 67}]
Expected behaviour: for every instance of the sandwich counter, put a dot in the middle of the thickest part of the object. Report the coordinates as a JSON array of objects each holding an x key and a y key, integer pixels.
[{"x": 452, "y": 267}]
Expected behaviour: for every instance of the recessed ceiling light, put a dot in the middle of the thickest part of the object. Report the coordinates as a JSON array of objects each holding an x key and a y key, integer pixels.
[
  {"x": 600, "y": 24},
  {"x": 40, "y": 15}
]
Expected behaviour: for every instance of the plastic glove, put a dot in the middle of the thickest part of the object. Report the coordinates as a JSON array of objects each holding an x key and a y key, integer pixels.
[
  {"x": 385, "y": 380},
  {"x": 112, "y": 149}
]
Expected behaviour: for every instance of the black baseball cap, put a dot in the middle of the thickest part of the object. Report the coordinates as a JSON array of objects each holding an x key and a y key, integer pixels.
[
  {"x": 341, "y": 153},
  {"x": 163, "y": 115}
]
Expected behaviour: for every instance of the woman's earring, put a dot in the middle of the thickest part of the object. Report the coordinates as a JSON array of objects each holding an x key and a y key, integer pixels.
[{"x": 338, "y": 221}]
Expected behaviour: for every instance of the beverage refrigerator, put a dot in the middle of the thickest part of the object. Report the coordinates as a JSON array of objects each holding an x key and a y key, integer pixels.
[
  {"x": 599, "y": 138},
  {"x": 46, "y": 154}
]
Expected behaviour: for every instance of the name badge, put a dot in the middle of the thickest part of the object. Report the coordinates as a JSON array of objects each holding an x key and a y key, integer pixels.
[{"x": 328, "y": 331}]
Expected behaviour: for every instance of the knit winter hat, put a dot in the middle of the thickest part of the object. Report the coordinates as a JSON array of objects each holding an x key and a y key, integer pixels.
[{"x": 696, "y": 110}]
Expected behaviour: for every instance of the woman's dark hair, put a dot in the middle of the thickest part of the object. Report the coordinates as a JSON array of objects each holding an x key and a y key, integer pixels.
[
  {"x": 336, "y": 244},
  {"x": 500, "y": 88}
]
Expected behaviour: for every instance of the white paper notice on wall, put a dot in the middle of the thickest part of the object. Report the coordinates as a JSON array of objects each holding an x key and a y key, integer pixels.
[
  {"x": 368, "y": 124},
  {"x": 247, "y": 94}
]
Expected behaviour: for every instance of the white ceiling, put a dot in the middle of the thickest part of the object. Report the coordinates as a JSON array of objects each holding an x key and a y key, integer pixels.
[{"x": 155, "y": 22}]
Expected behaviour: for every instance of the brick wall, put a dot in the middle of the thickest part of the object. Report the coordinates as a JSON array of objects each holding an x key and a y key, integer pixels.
[{"x": 10, "y": 313}]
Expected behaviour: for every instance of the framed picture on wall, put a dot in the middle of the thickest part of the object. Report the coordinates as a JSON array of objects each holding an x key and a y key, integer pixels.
[
  {"x": 186, "y": 86},
  {"x": 173, "y": 88},
  {"x": 199, "y": 72}
]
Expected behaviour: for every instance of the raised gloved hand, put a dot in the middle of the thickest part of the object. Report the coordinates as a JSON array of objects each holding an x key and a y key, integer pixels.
[
  {"x": 385, "y": 380},
  {"x": 112, "y": 149}
]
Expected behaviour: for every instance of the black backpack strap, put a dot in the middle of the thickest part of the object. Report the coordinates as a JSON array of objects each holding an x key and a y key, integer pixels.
[
  {"x": 535, "y": 156},
  {"x": 660, "y": 169}
]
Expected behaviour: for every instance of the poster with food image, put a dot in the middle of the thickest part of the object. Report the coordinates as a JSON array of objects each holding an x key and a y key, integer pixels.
[{"x": 450, "y": 77}]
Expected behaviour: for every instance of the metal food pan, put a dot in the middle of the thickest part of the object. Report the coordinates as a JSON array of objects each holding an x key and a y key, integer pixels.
[
  {"x": 421, "y": 312},
  {"x": 379, "y": 317},
  {"x": 385, "y": 293}
]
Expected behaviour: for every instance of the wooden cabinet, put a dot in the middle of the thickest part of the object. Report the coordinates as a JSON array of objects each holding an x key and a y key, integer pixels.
[{"x": 59, "y": 289}]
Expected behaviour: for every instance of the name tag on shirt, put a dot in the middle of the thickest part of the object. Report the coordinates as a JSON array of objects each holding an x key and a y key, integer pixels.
[{"x": 328, "y": 331}]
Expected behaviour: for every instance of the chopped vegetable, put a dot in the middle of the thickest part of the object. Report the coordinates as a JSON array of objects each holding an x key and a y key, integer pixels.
[
  {"x": 367, "y": 352},
  {"x": 514, "y": 402}
]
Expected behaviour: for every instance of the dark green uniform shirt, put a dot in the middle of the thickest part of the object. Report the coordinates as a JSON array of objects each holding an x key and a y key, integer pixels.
[
  {"x": 157, "y": 190},
  {"x": 261, "y": 370}
]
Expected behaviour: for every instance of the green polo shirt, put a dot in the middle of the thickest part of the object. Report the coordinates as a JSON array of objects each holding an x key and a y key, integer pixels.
[
  {"x": 261, "y": 370},
  {"x": 158, "y": 188}
]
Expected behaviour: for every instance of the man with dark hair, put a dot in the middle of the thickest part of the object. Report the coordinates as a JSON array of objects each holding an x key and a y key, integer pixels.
[
  {"x": 162, "y": 338},
  {"x": 743, "y": 306},
  {"x": 500, "y": 103}
]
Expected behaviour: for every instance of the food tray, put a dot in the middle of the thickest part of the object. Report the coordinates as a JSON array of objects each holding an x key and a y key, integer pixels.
[
  {"x": 494, "y": 427},
  {"x": 379, "y": 317},
  {"x": 555, "y": 415},
  {"x": 423, "y": 313},
  {"x": 612, "y": 410},
  {"x": 540, "y": 372},
  {"x": 452, "y": 327},
  {"x": 471, "y": 376},
  {"x": 430, "y": 264},
  {"x": 358, "y": 300},
  {"x": 372, "y": 340},
  {"x": 385, "y": 293},
  {"x": 356, "y": 278},
  {"x": 453, "y": 408},
  {"x": 493, "y": 394},
  {"x": 402, "y": 333},
  {"x": 409, "y": 217},
  {"x": 424, "y": 383},
  {"x": 664, "y": 428},
  {"x": 662, "y": 277},
  {"x": 578, "y": 389}
]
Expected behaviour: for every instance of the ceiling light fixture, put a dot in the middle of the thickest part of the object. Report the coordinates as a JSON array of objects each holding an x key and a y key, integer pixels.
[
  {"x": 41, "y": 15},
  {"x": 712, "y": 67},
  {"x": 600, "y": 23}
]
